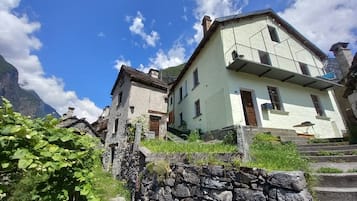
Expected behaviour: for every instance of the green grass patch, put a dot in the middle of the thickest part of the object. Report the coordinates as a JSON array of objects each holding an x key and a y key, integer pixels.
[
  {"x": 107, "y": 187},
  {"x": 328, "y": 170},
  {"x": 161, "y": 146},
  {"x": 330, "y": 153},
  {"x": 268, "y": 153}
]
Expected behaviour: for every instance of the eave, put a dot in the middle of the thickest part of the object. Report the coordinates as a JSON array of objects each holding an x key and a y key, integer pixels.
[{"x": 267, "y": 71}]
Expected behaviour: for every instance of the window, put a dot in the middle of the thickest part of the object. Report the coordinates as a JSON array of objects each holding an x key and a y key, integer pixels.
[
  {"x": 185, "y": 89},
  {"x": 180, "y": 94},
  {"x": 197, "y": 108},
  {"x": 275, "y": 98},
  {"x": 120, "y": 98},
  {"x": 195, "y": 78},
  {"x": 171, "y": 100},
  {"x": 317, "y": 105},
  {"x": 273, "y": 34},
  {"x": 181, "y": 119},
  {"x": 264, "y": 58},
  {"x": 112, "y": 156},
  {"x": 304, "y": 69},
  {"x": 116, "y": 124}
]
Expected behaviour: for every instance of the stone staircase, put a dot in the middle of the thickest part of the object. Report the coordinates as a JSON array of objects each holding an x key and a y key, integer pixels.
[{"x": 341, "y": 156}]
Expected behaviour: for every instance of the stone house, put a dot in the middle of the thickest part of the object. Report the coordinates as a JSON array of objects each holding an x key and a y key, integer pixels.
[
  {"x": 255, "y": 69},
  {"x": 68, "y": 120},
  {"x": 136, "y": 96}
]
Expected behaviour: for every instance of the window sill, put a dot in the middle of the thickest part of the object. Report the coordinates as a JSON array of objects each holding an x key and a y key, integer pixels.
[
  {"x": 281, "y": 112},
  {"x": 323, "y": 118},
  {"x": 195, "y": 86},
  {"x": 195, "y": 117}
]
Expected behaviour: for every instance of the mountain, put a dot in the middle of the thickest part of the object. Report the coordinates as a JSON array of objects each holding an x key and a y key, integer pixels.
[
  {"x": 170, "y": 74},
  {"x": 26, "y": 102}
]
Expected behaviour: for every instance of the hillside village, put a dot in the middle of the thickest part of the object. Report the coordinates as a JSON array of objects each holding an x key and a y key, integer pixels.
[{"x": 252, "y": 73}]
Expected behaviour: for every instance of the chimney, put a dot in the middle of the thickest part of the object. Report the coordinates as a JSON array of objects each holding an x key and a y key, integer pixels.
[
  {"x": 69, "y": 113},
  {"x": 343, "y": 56},
  {"x": 206, "y": 23},
  {"x": 154, "y": 73}
]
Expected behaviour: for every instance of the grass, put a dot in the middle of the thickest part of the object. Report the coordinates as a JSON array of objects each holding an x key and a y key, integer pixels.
[
  {"x": 107, "y": 187},
  {"x": 328, "y": 170},
  {"x": 270, "y": 154},
  {"x": 161, "y": 146},
  {"x": 330, "y": 153}
]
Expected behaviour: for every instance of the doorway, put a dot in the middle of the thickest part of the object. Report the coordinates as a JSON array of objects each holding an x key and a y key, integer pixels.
[
  {"x": 248, "y": 108},
  {"x": 155, "y": 124}
]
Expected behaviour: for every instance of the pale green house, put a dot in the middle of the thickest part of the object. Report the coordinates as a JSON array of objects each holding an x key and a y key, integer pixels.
[{"x": 255, "y": 69}]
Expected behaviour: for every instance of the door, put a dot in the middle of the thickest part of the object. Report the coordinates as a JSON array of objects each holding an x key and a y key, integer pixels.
[
  {"x": 248, "y": 108},
  {"x": 155, "y": 124}
]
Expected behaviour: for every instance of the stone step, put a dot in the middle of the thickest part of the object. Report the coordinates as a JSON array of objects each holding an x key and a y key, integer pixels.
[
  {"x": 341, "y": 180},
  {"x": 329, "y": 152},
  {"x": 296, "y": 139},
  {"x": 334, "y": 194},
  {"x": 345, "y": 167},
  {"x": 326, "y": 147},
  {"x": 336, "y": 159},
  {"x": 325, "y": 144}
]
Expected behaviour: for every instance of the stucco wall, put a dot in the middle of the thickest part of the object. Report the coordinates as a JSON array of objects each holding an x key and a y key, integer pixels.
[
  {"x": 250, "y": 35},
  {"x": 296, "y": 101}
]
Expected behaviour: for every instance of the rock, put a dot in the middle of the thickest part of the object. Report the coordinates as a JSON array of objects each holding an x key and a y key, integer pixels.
[
  {"x": 213, "y": 184},
  {"x": 217, "y": 171},
  {"x": 223, "y": 196},
  {"x": 165, "y": 194},
  {"x": 243, "y": 194},
  {"x": 181, "y": 191},
  {"x": 289, "y": 180},
  {"x": 170, "y": 182},
  {"x": 191, "y": 178},
  {"x": 117, "y": 199},
  {"x": 247, "y": 178},
  {"x": 289, "y": 195}
]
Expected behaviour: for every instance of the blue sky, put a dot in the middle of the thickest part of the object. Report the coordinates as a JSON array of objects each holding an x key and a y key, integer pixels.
[{"x": 69, "y": 51}]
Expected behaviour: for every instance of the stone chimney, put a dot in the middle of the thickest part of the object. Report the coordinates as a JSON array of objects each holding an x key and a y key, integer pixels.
[
  {"x": 154, "y": 73},
  {"x": 69, "y": 113},
  {"x": 206, "y": 23},
  {"x": 343, "y": 56}
]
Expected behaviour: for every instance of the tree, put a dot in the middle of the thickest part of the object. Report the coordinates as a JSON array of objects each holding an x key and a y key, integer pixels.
[{"x": 44, "y": 160}]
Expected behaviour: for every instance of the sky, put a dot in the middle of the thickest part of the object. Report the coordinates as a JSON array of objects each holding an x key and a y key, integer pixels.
[{"x": 70, "y": 51}]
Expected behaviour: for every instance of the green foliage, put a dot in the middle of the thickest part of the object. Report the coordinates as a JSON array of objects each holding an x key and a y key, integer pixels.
[
  {"x": 161, "y": 167},
  {"x": 106, "y": 187},
  {"x": 267, "y": 152},
  {"x": 230, "y": 138},
  {"x": 42, "y": 161},
  {"x": 161, "y": 146},
  {"x": 143, "y": 120},
  {"x": 354, "y": 170},
  {"x": 329, "y": 153},
  {"x": 328, "y": 170},
  {"x": 194, "y": 136}
]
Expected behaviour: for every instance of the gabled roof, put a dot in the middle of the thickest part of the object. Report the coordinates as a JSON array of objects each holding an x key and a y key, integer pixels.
[
  {"x": 266, "y": 12},
  {"x": 140, "y": 77}
]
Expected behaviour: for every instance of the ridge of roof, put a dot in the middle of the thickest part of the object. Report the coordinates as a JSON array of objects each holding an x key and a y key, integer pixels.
[
  {"x": 269, "y": 12},
  {"x": 141, "y": 77}
]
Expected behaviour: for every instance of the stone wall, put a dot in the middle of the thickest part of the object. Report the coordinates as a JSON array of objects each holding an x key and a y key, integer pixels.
[
  {"x": 186, "y": 182},
  {"x": 159, "y": 180}
]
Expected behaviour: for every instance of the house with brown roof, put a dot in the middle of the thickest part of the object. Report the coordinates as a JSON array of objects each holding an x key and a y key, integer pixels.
[
  {"x": 136, "y": 97},
  {"x": 255, "y": 69}
]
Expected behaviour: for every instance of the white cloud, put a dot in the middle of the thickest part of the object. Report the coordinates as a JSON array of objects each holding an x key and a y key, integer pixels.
[
  {"x": 17, "y": 43},
  {"x": 101, "y": 34},
  {"x": 324, "y": 23},
  {"x": 175, "y": 56},
  {"x": 137, "y": 27},
  {"x": 214, "y": 9},
  {"x": 121, "y": 61}
]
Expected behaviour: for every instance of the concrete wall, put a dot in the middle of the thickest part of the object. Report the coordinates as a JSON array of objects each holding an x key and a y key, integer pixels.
[
  {"x": 297, "y": 106},
  {"x": 250, "y": 35}
]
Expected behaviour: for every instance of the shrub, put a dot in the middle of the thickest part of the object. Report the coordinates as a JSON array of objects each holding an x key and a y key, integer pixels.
[
  {"x": 230, "y": 138},
  {"x": 328, "y": 170},
  {"x": 194, "y": 136}
]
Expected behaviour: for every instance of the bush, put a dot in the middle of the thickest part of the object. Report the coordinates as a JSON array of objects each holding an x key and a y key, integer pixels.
[
  {"x": 194, "y": 136},
  {"x": 230, "y": 138},
  {"x": 328, "y": 170}
]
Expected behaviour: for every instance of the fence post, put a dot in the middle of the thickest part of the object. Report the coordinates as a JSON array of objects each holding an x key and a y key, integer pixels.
[
  {"x": 242, "y": 143},
  {"x": 138, "y": 131}
]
